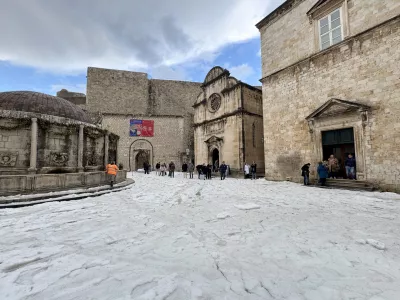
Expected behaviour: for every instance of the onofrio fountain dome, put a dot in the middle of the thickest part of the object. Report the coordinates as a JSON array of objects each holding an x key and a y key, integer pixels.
[{"x": 44, "y": 134}]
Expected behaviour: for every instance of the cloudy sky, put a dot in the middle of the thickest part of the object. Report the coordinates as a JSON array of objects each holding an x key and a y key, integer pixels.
[{"x": 47, "y": 45}]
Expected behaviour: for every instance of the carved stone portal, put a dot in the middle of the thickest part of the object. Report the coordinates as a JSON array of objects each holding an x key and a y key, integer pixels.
[
  {"x": 8, "y": 159},
  {"x": 58, "y": 159}
]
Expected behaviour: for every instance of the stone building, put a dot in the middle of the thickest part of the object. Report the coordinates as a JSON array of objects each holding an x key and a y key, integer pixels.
[
  {"x": 47, "y": 142},
  {"x": 122, "y": 96},
  {"x": 331, "y": 85},
  {"x": 228, "y": 122}
]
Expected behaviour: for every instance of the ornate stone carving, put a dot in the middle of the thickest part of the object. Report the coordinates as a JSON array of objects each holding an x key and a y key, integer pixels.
[
  {"x": 214, "y": 102},
  {"x": 11, "y": 124},
  {"x": 58, "y": 159},
  {"x": 8, "y": 159}
]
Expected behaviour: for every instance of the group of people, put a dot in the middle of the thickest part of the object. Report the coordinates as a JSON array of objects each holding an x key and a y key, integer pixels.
[
  {"x": 205, "y": 171},
  {"x": 161, "y": 169},
  {"x": 250, "y": 170},
  {"x": 330, "y": 169}
]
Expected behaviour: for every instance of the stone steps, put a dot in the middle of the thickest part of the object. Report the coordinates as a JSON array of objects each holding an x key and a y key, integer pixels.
[{"x": 350, "y": 184}]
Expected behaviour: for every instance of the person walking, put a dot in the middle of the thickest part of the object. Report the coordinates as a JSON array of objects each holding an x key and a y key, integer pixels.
[
  {"x": 333, "y": 166},
  {"x": 222, "y": 170},
  {"x": 158, "y": 166},
  {"x": 305, "y": 172},
  {"x": 204, "y": 171},
  {"x": 253, "y": 169},
  {"x": 322, "y": 173},
  {"x": 184, "y": 169},
  {"x": 112, "y": 170},
  {"x": 350, "y": 165},
  {"x": 227, "y": 171},
  {"x": 190, "y": 169},
  {"x": 172, "y": 169},
  {"x": 246, "y": 170},
  {"x": 209, "y": 171},
  {"x": 199, "y": 169}
]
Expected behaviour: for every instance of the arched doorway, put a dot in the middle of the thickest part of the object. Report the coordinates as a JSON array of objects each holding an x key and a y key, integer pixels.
[
  {"x": 141, "y": 157},
  {"x": 136, "y": 155},
  {"x": 215, "y": 159}
]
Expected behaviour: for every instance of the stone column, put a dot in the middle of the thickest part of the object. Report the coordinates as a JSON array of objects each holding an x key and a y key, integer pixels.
[
  {"x": 80, "y": 148},
  {"x": 34, "y": 137},
  {"x": 106, "y": 145}
]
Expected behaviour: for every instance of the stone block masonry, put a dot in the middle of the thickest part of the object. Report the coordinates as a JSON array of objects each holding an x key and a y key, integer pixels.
[
  {"x": 122, "y": 95},
  {"x": 362, "y": 69}
]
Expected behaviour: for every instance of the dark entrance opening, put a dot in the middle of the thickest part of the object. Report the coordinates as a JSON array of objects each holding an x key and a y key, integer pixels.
[
  {"x": 142, "y": 157},
  {"x": 215, "y": 160},
  {"x": 339, "y": 143}
]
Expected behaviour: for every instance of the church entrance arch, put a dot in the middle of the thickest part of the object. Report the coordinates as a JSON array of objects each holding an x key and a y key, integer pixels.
[
  {"x": 140, "y": 150},
  {"x": 215, "y": 159}
]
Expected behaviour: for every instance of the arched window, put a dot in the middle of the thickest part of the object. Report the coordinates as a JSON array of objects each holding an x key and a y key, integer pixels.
[{"x": 254, "y": 134}]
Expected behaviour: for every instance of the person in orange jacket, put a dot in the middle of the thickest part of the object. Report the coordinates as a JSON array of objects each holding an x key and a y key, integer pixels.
[{"x": 112, "y": 171}]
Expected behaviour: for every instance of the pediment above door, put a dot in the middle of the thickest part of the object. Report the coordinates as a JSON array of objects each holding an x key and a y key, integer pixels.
[{"x": 335, "y": 107}]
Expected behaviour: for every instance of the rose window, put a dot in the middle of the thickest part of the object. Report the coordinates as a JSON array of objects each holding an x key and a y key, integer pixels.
[{"x": 215, "y": 102}]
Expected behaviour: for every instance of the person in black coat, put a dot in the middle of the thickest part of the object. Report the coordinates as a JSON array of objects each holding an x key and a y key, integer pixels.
[
  {"x": 305, "y": 172},
  {"x": 199, "y": 169},
  {"x": 184, "y": 169},
  {"x": 222, "y": 169},
  {"x": 253, "y": 170},
  {"x": 209, "y": 171}
]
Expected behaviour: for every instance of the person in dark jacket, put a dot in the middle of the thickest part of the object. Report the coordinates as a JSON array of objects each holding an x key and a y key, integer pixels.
[
  {"x": 350, "y": 165},
  {"x": 204, "y": 170},
  {"x": 222, "y": 170},
  {"x": 146, "y": 167},
  {"x": 199, "y": 169},
  {"x": 190, "y": 169},
  {"x": 305, "y": 172},
  {"x": 322, "y": 173},
  {"x": 172, "y": 169},
  {"x": 184, "y": 169},
  {"x": 253, "y": 170},
  {"x": 209, "y": 171},
  {"x": 158, "y": 166}
]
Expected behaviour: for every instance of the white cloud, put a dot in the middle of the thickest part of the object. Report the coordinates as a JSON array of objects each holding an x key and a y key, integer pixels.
[
  {"x": 68, "y": 36},
  {"x": 259, "y": 53},
  {"x": 170, "y": 73},
  {"x": 241, "y": 72},
  {"x": 78, "y": 88}
]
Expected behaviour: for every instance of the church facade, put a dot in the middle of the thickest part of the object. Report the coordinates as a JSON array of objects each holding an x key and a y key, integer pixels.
[
  {"x": 331, "y": 85},
  {"x": 228, "y": 123}
]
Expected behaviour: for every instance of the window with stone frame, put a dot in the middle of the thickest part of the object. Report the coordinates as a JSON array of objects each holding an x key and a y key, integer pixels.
[{"x": 330, "y": 29}]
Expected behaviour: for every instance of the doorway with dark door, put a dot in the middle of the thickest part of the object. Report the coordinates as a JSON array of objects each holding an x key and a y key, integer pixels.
[
  {"x": 141, "y": 157},
  {"x": 340, "y": 143},
  {"x": 215, "y": 160}
]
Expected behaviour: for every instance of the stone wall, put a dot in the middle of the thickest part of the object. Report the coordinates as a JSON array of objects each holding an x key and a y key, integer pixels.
[
  {"x": 169, "y": 141},
  {"x": 10, "y": 184},
  {"x": 57, "y": 147},
  {"x": 290, "y": 37},
  {"x": 254, "y": 146},
  {"x": 78, "y": 99},
  {"x": 114, "y": 91},
  {"x": 362, "y": 69},
  {"x": 121, "y": 95},
  {"x": 14, "y": 145}
]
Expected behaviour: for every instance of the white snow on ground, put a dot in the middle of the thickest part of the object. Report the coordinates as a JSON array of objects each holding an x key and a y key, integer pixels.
[{"x": 164, "y": 238}]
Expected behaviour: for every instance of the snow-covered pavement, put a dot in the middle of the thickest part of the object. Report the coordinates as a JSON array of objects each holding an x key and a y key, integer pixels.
[{"x": 189, "y": 239}]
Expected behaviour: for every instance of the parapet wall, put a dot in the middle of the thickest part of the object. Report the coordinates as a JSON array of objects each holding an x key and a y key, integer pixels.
[{"x": 14, "y": 184}]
